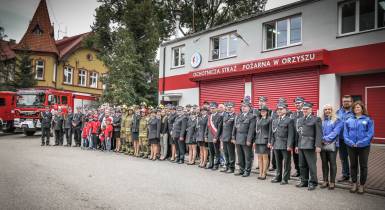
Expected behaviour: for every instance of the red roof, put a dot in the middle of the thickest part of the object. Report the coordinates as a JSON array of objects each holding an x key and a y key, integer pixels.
[
  {"x": 69, "y": 44},
  {"x": 39, "y": 36},
  {"x": 6, "y": 51}
]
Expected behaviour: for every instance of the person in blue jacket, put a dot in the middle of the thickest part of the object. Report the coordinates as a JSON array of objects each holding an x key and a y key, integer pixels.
[
  {"x": 344, "y": 113},
  {"x": 358, "y": 133},
  {"x": 331, "y": 127}
]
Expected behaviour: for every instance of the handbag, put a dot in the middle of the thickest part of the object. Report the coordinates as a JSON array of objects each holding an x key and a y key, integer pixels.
[{"x": 331, "y": 147}]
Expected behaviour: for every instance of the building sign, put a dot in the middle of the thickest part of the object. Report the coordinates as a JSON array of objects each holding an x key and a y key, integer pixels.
[
  {"x": 196, "y": 59},
  {"x": 263, "y": 65}
]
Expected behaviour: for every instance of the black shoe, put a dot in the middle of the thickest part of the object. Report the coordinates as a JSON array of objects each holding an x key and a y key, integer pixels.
[
  {"x": 296, "y": 174},
  {"x": 284, "y": 183},
  {"x": 301, "y": 184},
  {"x": 230, "y": 171},
  {"x": 246, "y": 174},
  {"x": 343, "y": 179},
  {"x": 209, "y": 166},
  {"x": 180, "y": 162},
  {"x": 42, "y": 144},
  {"x": 272, "y": 169},
  {"x": 215, "y": 168},
  {"x": 311, "y": 187},
  {"x": 224, "y": 169},
  {"x": 239, "y": 173},
  {"x": 275, "y": 180}
]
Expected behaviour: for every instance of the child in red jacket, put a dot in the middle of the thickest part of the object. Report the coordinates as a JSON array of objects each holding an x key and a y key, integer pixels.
[
  {"x": 95, "y": 131},
  {"x": 108, "y": 134},
  {"x": 85, "y": 132},
  {"x": 102, "y": 138}
]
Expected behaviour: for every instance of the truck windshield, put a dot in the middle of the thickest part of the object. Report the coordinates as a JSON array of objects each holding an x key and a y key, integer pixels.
[{"x": 30, "y": 100}]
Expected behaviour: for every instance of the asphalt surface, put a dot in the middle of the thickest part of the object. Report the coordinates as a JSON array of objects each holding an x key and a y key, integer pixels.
[{"x": 35, "y": 177}]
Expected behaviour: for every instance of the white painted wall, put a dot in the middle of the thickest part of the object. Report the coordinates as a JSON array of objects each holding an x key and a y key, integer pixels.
[
  {"x": 189, "y": 96},
  {"x": 329, "y": 90}
]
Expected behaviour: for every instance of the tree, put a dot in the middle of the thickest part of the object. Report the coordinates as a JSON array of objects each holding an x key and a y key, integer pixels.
[
  {"x": 6, "y": 65},
  {"x": 127, "y": 34},
  {"x": 24, "y": 75},
  {"x": 198, "y": 15}
]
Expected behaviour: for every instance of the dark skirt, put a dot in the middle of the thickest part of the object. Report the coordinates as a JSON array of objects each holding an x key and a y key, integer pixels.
[
  {"x": 261, "y": 149},
  {"x": 154, "y": 141},
  {"x": 135, "y": 136},
  {"x": 116, "y": 134},
  {"x": 202, "y": 144}
]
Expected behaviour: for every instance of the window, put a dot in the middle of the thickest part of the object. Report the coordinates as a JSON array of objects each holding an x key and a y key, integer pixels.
[
  {"x": 94, "y": 79},
  {"x": 68, "y": 75},
  {"x": 39, "y": 69},
  {"x": 2, "y": 101},
  {"x": 178, "y": 59},
  {"x": 361, "y": 15},
  {"x": 64, "y": 100},
  {"x": 224, "y": 46},
  {"x": 82, "y": 77},
  {"x": 283, "y": 33}
]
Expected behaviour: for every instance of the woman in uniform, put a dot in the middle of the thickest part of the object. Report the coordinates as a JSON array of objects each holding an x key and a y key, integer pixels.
[
  {"x": 135, "y": 131},
  {"x": 153, "y": 133},
  {"x": 190, "y": 137},
  {"x": 201, "y": 128},
  {"x": 263, "y": 128}
]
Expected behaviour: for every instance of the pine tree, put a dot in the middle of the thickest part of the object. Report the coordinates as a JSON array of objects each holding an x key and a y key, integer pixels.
[{"x": 24, "y": 75}]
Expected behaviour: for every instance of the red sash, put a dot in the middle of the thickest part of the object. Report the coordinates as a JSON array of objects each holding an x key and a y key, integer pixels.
[{"x": 212, "y": 128}]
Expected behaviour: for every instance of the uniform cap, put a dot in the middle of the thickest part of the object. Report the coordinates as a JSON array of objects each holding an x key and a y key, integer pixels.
[
  {"x": 282, "y": 105},
  {"x": 262, "y": 98},
  {"x": 307, "y": 105},
  {"x": 299, "y": 99}
]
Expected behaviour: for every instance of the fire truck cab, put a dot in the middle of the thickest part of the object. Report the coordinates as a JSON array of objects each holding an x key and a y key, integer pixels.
[{"x": 7, "y": 110}]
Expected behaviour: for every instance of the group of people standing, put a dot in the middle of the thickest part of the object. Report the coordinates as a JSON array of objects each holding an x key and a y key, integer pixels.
[{"x": 217, "y": 134}]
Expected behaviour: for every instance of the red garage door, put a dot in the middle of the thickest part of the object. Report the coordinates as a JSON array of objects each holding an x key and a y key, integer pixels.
[
  {"x": 375, "y": 104},
  {"x": 288, "y": 85},
  {"x": 370, "y": 88},
  {"x": 220, "y": 91}
]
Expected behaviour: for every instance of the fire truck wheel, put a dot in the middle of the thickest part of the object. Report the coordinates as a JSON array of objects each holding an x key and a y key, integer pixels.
[{"x": 29, "y": 133}]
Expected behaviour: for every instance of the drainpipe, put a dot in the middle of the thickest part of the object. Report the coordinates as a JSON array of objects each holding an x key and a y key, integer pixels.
[{"x": 164, "y": 73}]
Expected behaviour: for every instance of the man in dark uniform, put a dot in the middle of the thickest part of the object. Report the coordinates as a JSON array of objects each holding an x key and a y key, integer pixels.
[
  {"x": 308, "y": 145},
  {"x": 298, "y": 101},
  {"x": 213, "y": 131},
  {"x": 242, "y": 136},
  {"x": 225, "y": 138},
  {"x": 58, "y": 125},
  {"x": 170, "y": 120},
  {"x": 282, "y": 141},
  {"x": 45, "y": 119},
  {"x": 77, "y": 126},
  {"x": 68, "y": 126},
  {"x": 178, "y": 135}
]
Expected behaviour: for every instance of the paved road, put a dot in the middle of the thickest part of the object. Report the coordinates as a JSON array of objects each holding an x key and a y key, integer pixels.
[{"x": 34, "y": 177}]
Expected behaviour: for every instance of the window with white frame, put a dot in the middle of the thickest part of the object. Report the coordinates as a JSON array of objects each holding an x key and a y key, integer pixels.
[
  {"x": 283, "y": 32},
  {"x": 178, "y": 56},
  {"x": 94, "y": 79},
  {"x": 68, "y": 71},
  {"x": 360, "y": 15},
  {"x": 224, "y": 46},
  {"x": 82, "y": 79},
  {"x": 39, "y": 69}
]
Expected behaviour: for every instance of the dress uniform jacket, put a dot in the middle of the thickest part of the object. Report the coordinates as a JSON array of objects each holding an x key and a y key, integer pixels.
[
  {"x": 77, "y": 120},
  {"x": 58, "y": 122},
  {"x": 116, "y": 122},
  {"x": 135, "y": 123},
  {"x": 216, "y": 120},
  {"x": 190, "y": 130},
  {"x": 243, "y": 128},
  {"x": 68, "y": 120},
  {"x": 227, "y": 126},
  {"x": 283, "y": 133},
  {"x": 262, "y": 130},
  {"x": 171, "y": 120},
  {"x": 164, "y": 125},
  {"x": 310, "y": 132},
  {"x": 154, "y": 128},
  {"x": 179, "y": 126},
  {"x": 46, "y": 119},
  {"x": 201, "y": 128}
]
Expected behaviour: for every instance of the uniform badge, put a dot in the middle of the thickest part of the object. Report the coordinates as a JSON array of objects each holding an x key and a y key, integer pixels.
[{"x": 364, "y": 122}]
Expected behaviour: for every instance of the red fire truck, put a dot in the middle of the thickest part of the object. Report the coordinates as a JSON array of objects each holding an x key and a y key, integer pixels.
[
  {"x": 32, "y": 101},
  {"x": 7, "y": 110}
]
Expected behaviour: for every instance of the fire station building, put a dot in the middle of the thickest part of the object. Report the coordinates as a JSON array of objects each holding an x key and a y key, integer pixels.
[{"x": 317, "y": 49}]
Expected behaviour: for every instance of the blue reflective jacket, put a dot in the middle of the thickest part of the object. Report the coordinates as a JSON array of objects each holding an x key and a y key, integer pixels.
[
  {"x": 343, "y": 115},
  {"x": 358, "y": 131},
  {"x": 331, "y": 130}
]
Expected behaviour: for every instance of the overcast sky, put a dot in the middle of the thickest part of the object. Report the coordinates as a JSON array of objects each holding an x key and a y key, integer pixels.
[{"x": 70, "y": 16}]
